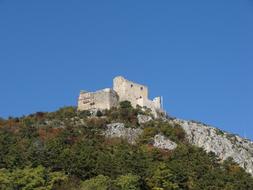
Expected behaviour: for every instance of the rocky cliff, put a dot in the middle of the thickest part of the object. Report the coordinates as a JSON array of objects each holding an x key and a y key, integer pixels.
[{"x": 223, "y": 144}]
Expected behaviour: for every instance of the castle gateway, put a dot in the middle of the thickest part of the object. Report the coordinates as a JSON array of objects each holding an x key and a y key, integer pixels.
[{"x": 123, "y": 90}]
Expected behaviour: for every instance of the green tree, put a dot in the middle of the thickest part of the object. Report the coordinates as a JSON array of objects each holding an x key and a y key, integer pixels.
[
  {"x": 125, "y": 105},
  {"x": 30, "y": 179},
  {"x": 99, "y": 113},
  {"x": 99, "y": 182},
  {"x": 5, "y": 180},
  {"x": 128, "y": 182},
  {"x": 162, "y": 178}
]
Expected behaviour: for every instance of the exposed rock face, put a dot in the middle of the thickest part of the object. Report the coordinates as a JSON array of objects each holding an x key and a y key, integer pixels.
[
  {"x": 131, "y": 135},
  {"x": 211, "y": 139},
  {"x": 224, "y": 145},
  {"x": 143, "y": 118},
  {"x": 162, "y": 142},
  {"x": 119, "y": 130}
]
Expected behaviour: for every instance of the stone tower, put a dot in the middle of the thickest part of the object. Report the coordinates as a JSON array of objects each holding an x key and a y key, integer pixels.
[{"x": 137, "y": 94}]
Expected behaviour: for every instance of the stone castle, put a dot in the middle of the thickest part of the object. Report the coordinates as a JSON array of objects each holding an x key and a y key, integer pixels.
[{"x": 123, "y": 90}]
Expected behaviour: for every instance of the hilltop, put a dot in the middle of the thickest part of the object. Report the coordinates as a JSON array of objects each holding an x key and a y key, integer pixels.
[{"x": 120, "y": 148}]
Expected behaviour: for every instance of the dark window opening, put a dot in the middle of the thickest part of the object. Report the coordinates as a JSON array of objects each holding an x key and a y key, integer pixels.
[
  {"x": 132, "y": 86},
  {"x": 141, "y": 88}
]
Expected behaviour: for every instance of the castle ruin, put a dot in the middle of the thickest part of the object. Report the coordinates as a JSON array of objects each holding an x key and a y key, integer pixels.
[{"x": 123, "y": 90}]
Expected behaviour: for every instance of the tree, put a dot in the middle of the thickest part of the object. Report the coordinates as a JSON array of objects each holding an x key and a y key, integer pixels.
[
  {"x": 38, "y": 178},
  {"x": 5, "y": 180},
  {"x": 128, "y": 182},
  {"x": 99, "y": 113},
  {"x": 99, "y": 182},
  {"x": 125, "y": 104},
  {"x": 162, "y": 178}
]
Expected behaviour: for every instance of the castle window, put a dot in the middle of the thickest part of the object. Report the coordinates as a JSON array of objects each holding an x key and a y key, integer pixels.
[
  {"x": 140, "y": 96},
  {"x": 132, "y": 85},
  {"x": 141, "y": 88}
]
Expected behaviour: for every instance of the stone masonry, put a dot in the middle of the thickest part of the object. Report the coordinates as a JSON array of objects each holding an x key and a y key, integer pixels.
[{"x": 123, "y": 90}]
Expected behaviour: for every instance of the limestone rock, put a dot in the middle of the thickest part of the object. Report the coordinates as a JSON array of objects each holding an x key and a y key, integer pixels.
[
  {"x": 211, "y": 139},
  {"x": 119, "y": 130},
  {"x": 143, "y": 118},
  {"x": 162, "y": 142},
  {"x": 223, "y": 144}
]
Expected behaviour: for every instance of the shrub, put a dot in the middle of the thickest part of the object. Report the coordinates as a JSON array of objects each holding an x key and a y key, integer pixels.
[
  {"x": 66, "y": 112},
  {"x": 128, "y": 182},
  {"x": 148, "y": 134},
  {"x": 125, "y": 113},
  {"x": 30, "y": 178},
  {"x": 125, "y": 105},
  {"x": 99, "y": 113},
  {"x": 84, "y": 113},
  {"x": 99, "y": 182}
]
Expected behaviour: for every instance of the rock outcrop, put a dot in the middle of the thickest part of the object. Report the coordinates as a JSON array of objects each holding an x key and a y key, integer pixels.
[
  {"x": 119, "y": 130},
  {"x": 143, "y": 118},
  {"x": 162, "y": 142},
  {"x": 211, "y": 139},
  {"x": 223, "y": 144},
  {"x": 131, "y": 135}
]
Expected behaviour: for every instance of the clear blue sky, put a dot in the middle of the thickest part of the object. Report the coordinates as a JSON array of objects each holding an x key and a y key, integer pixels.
[{"x": 197, "y": 54}]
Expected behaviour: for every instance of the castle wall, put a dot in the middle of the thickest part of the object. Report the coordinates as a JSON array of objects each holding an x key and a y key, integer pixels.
[
  {"x": 122, "y": 90},
  {"x": 103, "y": 99},
  {"x": 157, "y": 102},
  {"x": 128, "y": 90},
  {"x": 154, "y": 105},
  {"x": 137, "y": 94}
]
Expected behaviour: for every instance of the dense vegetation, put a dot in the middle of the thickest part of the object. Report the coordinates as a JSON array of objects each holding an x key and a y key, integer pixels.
[{"x": 66, "y": 150}]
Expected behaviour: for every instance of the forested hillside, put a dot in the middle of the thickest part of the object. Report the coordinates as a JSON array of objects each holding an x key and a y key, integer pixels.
[{"x": 67, "y": 150}]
